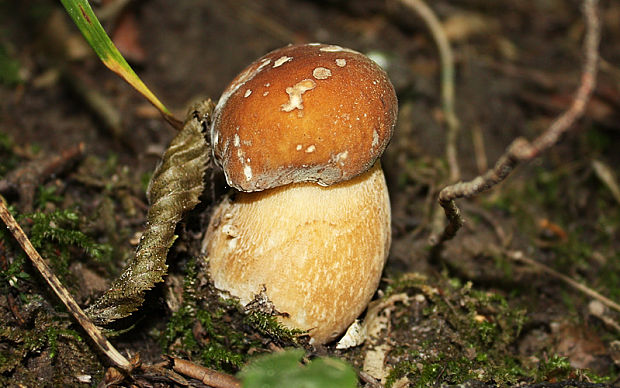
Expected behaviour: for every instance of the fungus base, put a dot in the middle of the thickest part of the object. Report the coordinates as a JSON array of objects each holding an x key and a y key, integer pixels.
[{"x": 316, "y": 252}]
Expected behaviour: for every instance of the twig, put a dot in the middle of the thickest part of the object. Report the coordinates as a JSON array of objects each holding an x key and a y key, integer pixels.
[
  {"x": 207, "y": 376},
  {"x": 606, "y": 174},
  {"x": 521, "y": 150},
  {"x": 56, "y": 39},
  {"x": 26, "y": 178},
  {"x": 596, "y": 309},
  {"x": 107, "y": 115},
  {"x": 540, "y": 78},
  {"x": 162, "y": 371},
  {"x": 487, "y": 217},
  {"x": 369, "y": 380},
  {"x": 250, "y": 15},
  {"x": 93, "y": 331},
  {"x": 612, "y": 70},
  {"x": 519, "y": 256},
  {"x": 447, "y": 81}
]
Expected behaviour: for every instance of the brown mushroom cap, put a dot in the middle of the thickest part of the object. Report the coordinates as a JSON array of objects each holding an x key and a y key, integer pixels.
[{"x": 303, "y": 113}]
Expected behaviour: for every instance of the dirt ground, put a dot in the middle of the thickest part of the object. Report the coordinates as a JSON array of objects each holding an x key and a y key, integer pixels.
[{"x": 471, "y": 314}]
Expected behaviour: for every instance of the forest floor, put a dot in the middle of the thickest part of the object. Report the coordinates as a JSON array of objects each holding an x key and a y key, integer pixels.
[{"x": 78, "y": 147}]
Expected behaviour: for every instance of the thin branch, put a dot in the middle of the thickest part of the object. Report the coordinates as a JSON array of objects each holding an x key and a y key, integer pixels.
[
  {"x": 369, "y": 380},
  {"x": 447, "y": 81},
  {"x": 521, "y": 150},
  {"x": 28, "y": 177},
  {"x": 106, "y": 114},
  {"x": 93, "y": 331},
  {"x": 207, "y": 376},
  {"x": 519, "y": 256}
]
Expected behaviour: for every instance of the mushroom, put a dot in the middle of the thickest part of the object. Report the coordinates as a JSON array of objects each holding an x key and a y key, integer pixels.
[{"x": 298, "y": 133}]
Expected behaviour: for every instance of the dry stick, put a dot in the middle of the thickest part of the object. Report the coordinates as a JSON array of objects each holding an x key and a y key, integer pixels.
[
  {"x": 93, "y": 331},
  {"x": 369, "y": 380},
  {"x": 97, "y": 103},
  {"x": 207, "y": 376},
  {"x": 520, "y": 150},
  {"x": 28, "y": 177},
  {"x": 447, "y": 81},
  {"x": 612, "y": 70},
  {"x": 519, "y": 256}
]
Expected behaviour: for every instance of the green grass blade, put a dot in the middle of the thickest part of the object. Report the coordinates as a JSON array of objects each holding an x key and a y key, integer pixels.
[{"x": 84, "y": 17}]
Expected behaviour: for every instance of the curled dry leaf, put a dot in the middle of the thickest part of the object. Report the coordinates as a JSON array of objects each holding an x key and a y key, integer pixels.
[
  {"x": 377, "y": 319},
  {"x": 174, "y": 189},
  {"x": 374, "y": 362}
]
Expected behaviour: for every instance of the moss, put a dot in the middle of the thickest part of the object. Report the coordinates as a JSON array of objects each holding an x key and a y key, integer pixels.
[
  {"x": 554, "y": 367},
  {"x": 204, "y": 331},
  {"x": 268, "y": 325},
  {"x": 407, "y": 282},
  {"x": 45, "y": 334},
  {"x": 34, "y": 333},
  {"x": 13, "y": 272},
  {"x": 57, "y": 233},
  {"x": 427, "y": 374},
  {"x": 218, "y": 331},
  {"x": 463, "y": 334},
  {"x": 400, "y": 370},
  {"x": 53, "y": 333},
  {"x": 488, "y": 326},
  {"x": 591, "y": 227},
  {"x": 542, "y": 189},
  {"x": 47, "y": 195}
]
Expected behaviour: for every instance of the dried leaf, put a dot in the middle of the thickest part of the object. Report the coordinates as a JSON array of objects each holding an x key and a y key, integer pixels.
[
  {"x": 377, "y": 319},
  {"x": 174, "y": 189},
  {"x": 374, "y": 362},
  {"x": 579, "y": 344},
  {"x": 354, "y": 336}
]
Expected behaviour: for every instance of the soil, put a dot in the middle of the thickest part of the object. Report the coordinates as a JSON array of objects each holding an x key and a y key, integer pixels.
[{"x": 469, "y": 314}]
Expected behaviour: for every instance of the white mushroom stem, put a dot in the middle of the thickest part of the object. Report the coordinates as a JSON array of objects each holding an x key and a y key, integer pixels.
[{"x": 318, "y": 252}]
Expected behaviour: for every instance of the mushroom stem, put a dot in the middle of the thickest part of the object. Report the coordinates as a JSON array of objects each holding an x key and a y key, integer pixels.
[{"x": 316, "y": 252}]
